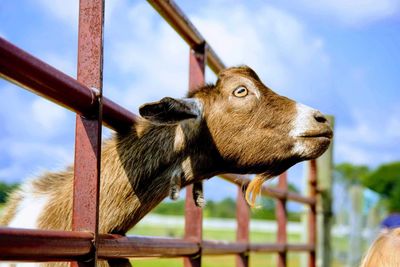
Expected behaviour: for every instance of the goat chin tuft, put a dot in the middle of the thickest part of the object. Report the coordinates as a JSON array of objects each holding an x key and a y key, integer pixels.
[{"x": 254, "y": 189}]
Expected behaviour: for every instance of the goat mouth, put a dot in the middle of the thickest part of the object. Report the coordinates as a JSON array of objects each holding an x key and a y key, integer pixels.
[{"x": 325, "y": 134}]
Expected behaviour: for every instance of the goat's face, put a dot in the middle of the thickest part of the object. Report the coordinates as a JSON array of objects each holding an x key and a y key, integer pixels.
[
  {"x": 253, "y": 129},
  {"x": 258, "y": 129}
]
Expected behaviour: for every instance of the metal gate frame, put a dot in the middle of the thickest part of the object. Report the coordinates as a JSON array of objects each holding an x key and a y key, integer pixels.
[{"x": 83, "y": 246}]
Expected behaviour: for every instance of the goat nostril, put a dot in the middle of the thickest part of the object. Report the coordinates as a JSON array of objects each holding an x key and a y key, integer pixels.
[{"x": 319, "y": 117}]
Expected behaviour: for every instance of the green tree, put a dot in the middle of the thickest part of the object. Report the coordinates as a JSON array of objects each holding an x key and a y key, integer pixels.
[
  {"x": 226, "y": 208},
  {"x": 350, "y": 174},
  {"x": 170, "y": 208},
  {"x": 5, "y": 189},
  {"x": 385, "y": 180},
  {"x": 266, "y": 211}
]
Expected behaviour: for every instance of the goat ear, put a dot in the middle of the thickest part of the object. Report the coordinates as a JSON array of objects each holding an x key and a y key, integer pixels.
[{"x": 169, "y": 110}]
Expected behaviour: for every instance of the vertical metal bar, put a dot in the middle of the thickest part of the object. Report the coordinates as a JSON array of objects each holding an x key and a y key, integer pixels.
[
  {"x": 193, "y": 227},
  {"x": 312, "y": 223},
  {"x": 243, "y": 222},
  {"x": 281, "y": 215},
  {"x": 88, "y": 130},
  {"x": 194, "y": 214}
]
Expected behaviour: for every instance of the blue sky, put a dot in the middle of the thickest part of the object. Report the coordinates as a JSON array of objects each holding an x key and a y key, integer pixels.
[{"x": 339, "y": 56}]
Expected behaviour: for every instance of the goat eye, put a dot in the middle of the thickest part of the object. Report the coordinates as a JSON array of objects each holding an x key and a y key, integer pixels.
[{"x": 240, "y": 91}]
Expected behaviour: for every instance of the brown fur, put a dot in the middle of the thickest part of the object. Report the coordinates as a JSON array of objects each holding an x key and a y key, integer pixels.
[
  {"x": 237, "y": 135},
  {"x": 11, "y": 208}
]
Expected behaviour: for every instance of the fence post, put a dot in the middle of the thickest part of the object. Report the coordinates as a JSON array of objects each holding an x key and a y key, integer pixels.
[
  {"x": 312, "y": 214},
  {"x": 281, "y": 216},
  {"x": 243, "y": 221},
  {"x": 324, "y": 205},
  {"x": 88, "y": 130},
  {"x": 194, "y": 214}
]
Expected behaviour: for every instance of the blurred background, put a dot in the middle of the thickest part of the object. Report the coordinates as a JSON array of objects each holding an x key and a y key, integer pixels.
[{"x": 341, "y": 57}]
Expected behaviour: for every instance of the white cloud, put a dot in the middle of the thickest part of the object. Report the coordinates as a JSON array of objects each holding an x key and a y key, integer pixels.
[
  {"x": 347, "y": 152},
  {"x": 48, "y": 116},
  {"x": 370, "y": 140},
  {"x": 29, "y": 158},
  {"x": 25, "y": 151},
  {"x": 61, "y": 62},
  {"x": 65, "y": 11},
  {"x": 275, "y": 43},
  {"x": 38, "y": 117},
  {"x": 393, "y": 127},
  {"x": 11, "y": 173},
  {"x": 262, "y": 36},
  {"x": 152, "y": 60},
  {"x": 35, "y": 134},
  {"x": 353, "y": 12},
  {"x": 149, "y": 60},
  {"x": 68, "y": 11}
]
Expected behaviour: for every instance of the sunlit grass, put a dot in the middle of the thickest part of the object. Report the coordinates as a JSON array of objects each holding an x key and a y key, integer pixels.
[{"x": 212, "y": 234}]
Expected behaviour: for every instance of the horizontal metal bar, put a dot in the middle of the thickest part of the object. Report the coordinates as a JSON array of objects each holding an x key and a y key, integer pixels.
[
  {"x": 117, "y": 117},
  {"x": 44, "y": 245},
  {"x": 182, "y": 25},
  {"x": 115, "y": 246},
  {"x": 267, "y": 248},
  {"x": 300, "y": 248},
  {"x": 243, "y": 180},
  {"x": 35, "y": 75},
  {"x": 213, "y": 61},
  {"x": 275, "y": 247},
  {"x": 301, "y": 199},
  {"x": 40, "y": 245},
  {"x": 223, "y": 248}
]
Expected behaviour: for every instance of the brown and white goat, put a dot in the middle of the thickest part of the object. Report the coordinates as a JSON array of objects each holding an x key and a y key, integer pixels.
[{"x": 237, "y": 125}]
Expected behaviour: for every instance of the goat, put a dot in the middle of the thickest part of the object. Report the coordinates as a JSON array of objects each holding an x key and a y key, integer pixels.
[{"x": 237, "y": 125}]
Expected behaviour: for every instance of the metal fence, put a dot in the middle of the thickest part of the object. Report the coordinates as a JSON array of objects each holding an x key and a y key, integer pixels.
[{"x": 83, "y": 246}]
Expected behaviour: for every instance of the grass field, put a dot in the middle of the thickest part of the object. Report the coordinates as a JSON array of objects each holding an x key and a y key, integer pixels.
[{"x": 294, "y": 259}]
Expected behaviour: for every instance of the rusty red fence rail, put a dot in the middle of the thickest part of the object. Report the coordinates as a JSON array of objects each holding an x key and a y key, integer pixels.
[{"x": 84, "y": 246}]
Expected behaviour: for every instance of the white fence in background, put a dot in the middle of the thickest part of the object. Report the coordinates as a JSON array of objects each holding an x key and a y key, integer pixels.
[{"x": 230, "y": 224}]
